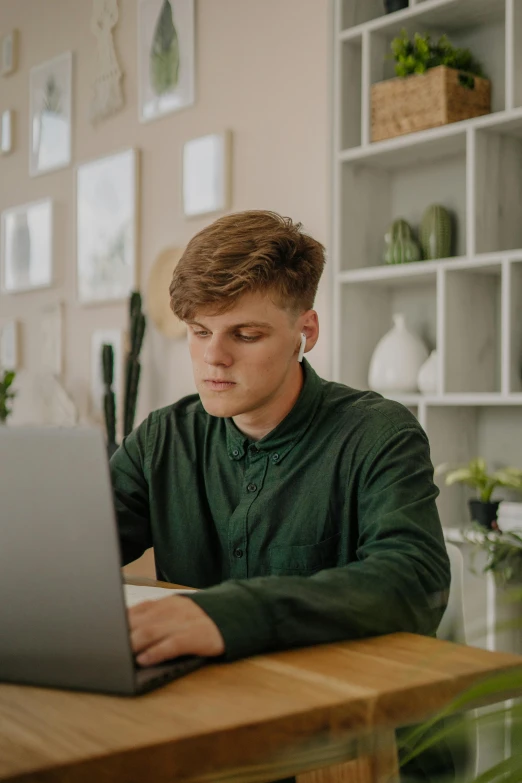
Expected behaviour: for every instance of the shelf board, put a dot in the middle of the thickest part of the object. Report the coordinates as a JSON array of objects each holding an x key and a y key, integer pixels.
[
  {"x": 477, "y": 399},
  {"x": 452, "y": 15},
  {"x": 400, "y": 275},
  {"x": 432, "y": 144}
]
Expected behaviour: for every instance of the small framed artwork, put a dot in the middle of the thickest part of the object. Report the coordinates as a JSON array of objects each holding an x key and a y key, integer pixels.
[
  {"x": 27, "y": 247},
  {"x": 50, "y": 106},
  {"x": 6, "y": 132},
  {"x": 207, "y": 174},
  {"x": 166, "y": 60},
  {"x": 107, "y": 227},
  {"x": 9, "y": 53},
  {"x": 99, "y": 338},
  {"x": 51, "y": 340},
  {"x": 9, "y": 347}
]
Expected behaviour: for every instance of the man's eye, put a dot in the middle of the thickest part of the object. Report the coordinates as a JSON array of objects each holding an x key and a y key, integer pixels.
[
  {"x": 201, "y": 334},
  {"x": 247, "y": 339}
]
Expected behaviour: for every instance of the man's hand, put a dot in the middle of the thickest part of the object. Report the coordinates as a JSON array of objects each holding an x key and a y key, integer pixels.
[{"x": 171, "y": 627}]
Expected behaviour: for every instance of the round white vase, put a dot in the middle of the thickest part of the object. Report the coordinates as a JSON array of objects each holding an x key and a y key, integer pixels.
[
  {"x": 428, "y": 375},
  {"x": 396, "y": 360}
]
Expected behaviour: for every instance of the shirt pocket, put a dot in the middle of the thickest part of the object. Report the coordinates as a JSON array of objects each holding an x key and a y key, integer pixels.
[{"x": 304, "y": 560}]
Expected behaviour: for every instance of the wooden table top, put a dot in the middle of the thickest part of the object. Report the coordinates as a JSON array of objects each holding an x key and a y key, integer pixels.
[{"x": 260, "y": 718}]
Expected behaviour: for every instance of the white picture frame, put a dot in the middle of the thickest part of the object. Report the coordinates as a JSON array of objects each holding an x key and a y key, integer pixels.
[
  {"x": 9, "y": 53},
  {"x": 6, "y": 132},
  {"x": 99, "y": 337},
  {"x": 50, "y": 107},
  {"x": 27, "y": 247},
  {"x": 107, "y": 227},
  {"x": 171, "y": 85},
  {"x": 9, "y": 346},
  {"x": 207, "y": 174},
  {"x": 51, "y": 339}
]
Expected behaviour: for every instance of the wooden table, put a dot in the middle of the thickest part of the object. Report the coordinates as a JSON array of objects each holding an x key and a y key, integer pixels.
[{"x": 307, "y": 711}]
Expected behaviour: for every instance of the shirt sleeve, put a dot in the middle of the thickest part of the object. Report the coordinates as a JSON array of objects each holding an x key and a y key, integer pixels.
[
  {"x": 131, "y": 495},
  {"x": 399, "y": 582}
]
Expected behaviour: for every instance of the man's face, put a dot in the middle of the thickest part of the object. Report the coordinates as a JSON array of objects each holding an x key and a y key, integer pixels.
[{"x": 243, "y": 359}]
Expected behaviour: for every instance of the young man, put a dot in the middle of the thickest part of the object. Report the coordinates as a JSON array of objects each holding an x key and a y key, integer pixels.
[{"x": 305, "y": 508}]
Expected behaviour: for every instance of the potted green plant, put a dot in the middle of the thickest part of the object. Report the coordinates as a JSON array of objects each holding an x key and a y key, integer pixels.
[
  {"x": 475, "y": 474},
  {"x": 6, "y": 395},
  {"x": 437, "y": 83}
]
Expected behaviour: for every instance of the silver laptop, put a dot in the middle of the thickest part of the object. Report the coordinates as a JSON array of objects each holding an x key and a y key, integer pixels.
[{"x": 63, "y": 617}]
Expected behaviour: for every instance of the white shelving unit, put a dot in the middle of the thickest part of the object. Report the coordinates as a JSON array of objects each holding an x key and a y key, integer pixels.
[{"x": 468, "y": 306}]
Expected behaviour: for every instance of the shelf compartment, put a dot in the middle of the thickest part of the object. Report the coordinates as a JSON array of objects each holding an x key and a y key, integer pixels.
[
  {"x": 498, "y": 187},
  {"x": 458, "y": 434},
  {"x": 514, "y": 327},
  {"x": 452, "y": 15},
  {"x": 373, "y": 195},
  {"x": 374, "y": 307},
  {"x": 472, "y": 329},
  {"x": 351, "y": 92},
  {"x": 487, "y": 41},
  {"x": 358, "y": 12}
]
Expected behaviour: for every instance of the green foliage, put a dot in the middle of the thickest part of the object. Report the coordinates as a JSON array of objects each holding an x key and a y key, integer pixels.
[
  {"x": 132, "y": 375},
  {"x": 475, "y": 475},
  {"x": 164, "y": 56},
  {"x": 421, "y": 53},
  {"x": 52, "y": 97},
  {"x": 503, "y": 551},
  {"x": 6, "y": 394}
]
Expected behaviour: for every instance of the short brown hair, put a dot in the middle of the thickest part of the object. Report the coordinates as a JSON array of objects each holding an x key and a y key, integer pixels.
[{"x": 247, "y": 252}]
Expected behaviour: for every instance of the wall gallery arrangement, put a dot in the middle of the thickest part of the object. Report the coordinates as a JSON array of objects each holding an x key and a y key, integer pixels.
[{"x": 107, "y": 188}]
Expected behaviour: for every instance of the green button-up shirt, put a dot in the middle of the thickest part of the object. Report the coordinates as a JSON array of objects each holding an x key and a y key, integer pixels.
[{"x": 325, "y": 529}]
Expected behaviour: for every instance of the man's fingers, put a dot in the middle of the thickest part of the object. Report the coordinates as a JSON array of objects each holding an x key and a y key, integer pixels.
[{"x": 171, "y": 646}]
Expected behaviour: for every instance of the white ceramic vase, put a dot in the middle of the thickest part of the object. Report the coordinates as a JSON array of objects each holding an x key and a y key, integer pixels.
[
  {"x": 396, "y": 360},
  {"x": 428, "y": 375}
]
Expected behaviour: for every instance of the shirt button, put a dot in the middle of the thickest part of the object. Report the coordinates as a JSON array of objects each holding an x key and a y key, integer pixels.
[
  {"x": 238, "y": 553},
  {"x": 252, "y": 487},
  {"x": 235, "y": 453},
  {"x": 275, "y": 457}
]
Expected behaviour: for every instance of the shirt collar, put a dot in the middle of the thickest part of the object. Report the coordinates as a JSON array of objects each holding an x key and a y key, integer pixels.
[{"x": 280, "y": 441}]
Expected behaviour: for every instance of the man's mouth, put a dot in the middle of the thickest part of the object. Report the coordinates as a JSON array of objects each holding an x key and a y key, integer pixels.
[{"x": 218, "y": 385}]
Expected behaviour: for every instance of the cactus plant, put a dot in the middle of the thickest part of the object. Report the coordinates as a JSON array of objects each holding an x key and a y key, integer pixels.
[
  {"x": 401, "y": 247},
  {"x": 132, "y": 375},
  {"x": 436, "y": 233},
  {"x": 109, "y": 399},
  {"x": 6, "y": 395}
]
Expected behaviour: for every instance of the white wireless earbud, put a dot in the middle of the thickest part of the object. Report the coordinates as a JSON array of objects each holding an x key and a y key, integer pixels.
[{"x": 302, "y": 347}]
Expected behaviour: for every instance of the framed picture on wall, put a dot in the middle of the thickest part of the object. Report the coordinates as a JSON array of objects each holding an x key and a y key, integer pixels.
[
  {"x": 207, "y": 174},
  {"x": 107, "y": 227},
  {"x": 9, "y": 346},
  {"x": 165, "y": 57},
  {"x": 51, "y": 339},
  {"x": 27, "y": 247},
  {"x": 50, "y": 102}
]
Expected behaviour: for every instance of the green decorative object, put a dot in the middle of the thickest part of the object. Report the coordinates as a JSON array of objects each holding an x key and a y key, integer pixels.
[
  {"x": 401, "y": 247},
  {"x": 420, "y": 53},
  {"x": 164, "y": 55},
  {"x": 436, "y": 233},
  {"x": 132, "y": 376},
  {"x": 6, "y": 395},
  {"x": 109, "y": 399}
]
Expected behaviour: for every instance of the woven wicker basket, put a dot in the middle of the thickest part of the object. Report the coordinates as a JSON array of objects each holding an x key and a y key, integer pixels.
[{"x": 437, "y": 97}]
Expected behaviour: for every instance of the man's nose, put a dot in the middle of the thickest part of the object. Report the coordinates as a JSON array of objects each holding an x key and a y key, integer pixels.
[{"x": 216, "y": 351}]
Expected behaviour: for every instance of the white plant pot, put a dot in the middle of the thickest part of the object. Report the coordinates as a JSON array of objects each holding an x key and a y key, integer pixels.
[
  {"x": 396, "y": 360},
  {"x": 428, "y": 375}
]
